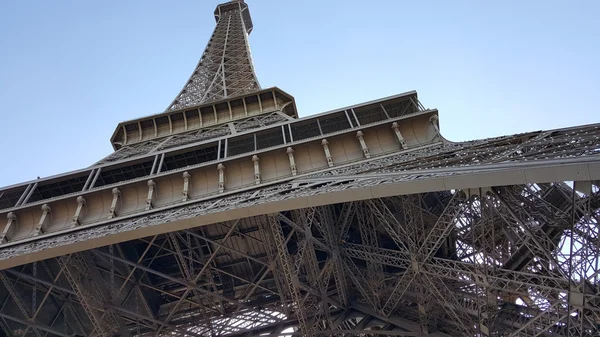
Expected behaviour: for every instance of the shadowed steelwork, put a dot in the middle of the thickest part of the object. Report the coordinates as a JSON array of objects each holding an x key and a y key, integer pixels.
[{"x": 227, "y": 215}]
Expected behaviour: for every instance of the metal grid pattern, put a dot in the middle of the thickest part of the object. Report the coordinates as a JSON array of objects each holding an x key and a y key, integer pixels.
[
  {"x": 195, "y": 136},
  {"x": 370, "y": 115},
  {"x": 226, "y": 68},
  {"x": 507, "y": 260},
  {"x": 259, "y": 122},
  {"x": 188, "y": 141},
  {"x": 184, "y": 159},
  {"x": 435, "y": 264},
  {"x": 269, "y": 139},
  {"x": 334, "y": 123},
  {"x": 124, "y": 172},
  {"x": 241, "y": 145},
  {"x": 9, "y": 198},
  {"x": 49, "y": 190},
  {"x": 130, "y": 151},
  {"x": 305, "y": 130},
  {"x": 449, "y": 159}
]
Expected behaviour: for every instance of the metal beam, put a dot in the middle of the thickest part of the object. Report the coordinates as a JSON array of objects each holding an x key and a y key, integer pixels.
[{"x": 35, "y": 326}]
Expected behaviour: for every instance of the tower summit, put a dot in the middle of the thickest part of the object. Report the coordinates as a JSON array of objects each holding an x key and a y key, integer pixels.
[{"x": 225, "y": 68}]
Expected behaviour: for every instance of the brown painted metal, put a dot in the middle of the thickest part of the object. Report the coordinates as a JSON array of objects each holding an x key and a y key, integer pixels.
[{"x": 228, "y": 215}]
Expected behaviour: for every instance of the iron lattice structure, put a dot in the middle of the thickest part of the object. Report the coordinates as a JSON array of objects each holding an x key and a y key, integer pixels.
[
  {"x": 358, "y": 222},
  {"x": 225, "y": 68}
]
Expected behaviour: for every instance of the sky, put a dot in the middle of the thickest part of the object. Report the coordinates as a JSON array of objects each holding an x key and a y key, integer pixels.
[{"x": 70, "y": 71}]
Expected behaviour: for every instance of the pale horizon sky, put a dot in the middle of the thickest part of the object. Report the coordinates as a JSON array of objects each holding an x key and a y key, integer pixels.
[{"x": 70, "y": 71}]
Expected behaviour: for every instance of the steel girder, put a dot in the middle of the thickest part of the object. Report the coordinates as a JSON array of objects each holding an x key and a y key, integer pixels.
[
  {"x": 515, "y": 257},
  {"x": 518, "y": 260},
  {"x": 569, "y": 154}
]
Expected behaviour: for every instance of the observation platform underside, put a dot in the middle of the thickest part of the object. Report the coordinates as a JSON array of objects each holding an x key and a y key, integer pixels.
[{"x": 495, "y": 237}]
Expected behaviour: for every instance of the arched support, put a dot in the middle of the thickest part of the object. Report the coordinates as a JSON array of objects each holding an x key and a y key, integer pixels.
[
  {"x": 399, "y": 137},
  {"x": 112, "y": 212},
  {"x": 360, "y": 136},
  {"x": 255, "y": 160},
  {"x": 290, "y": 153},
  {"x": 325, "y": 145},
  {"x": 150, "y": 198},
  {"x": 186, "y": 186},
  {"x": 221, "y": 169},
  {"x": 77, "y": 216}
]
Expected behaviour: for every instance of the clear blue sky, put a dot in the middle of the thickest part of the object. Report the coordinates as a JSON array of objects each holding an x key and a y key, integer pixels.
[{"x": 71, "y": 70}]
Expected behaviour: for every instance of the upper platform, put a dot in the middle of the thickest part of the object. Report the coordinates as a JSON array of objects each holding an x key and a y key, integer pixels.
[
  {"x": 240, "y": 140},
  {"x": 225, "y": 68},
  {"x": 230, "y": 110},
  {"x": 237, "y": 5}
]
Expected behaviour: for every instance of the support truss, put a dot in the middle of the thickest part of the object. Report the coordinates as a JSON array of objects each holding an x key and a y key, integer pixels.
[{"x": 517, "y": 260}]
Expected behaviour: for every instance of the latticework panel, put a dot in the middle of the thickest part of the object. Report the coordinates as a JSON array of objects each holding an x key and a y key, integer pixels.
[
  {"x": 259, "y": 122},
  {"x": 507, "y": 260},
  {"x": 519, "y": 260},
  {"x": 130, "y": 151},
  {"x": 516, "y": 258},
  {"x": 225, "y": 69}
]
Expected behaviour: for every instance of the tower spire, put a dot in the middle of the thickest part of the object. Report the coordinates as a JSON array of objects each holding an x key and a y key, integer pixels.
[{"x": 225, "y": 68}]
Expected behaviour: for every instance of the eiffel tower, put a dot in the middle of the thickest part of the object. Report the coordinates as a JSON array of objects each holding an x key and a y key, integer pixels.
[{"x": 227, "y": 215}]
